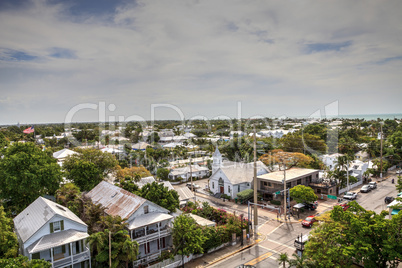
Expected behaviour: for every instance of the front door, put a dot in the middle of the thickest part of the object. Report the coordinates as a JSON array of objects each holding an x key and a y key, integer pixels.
[{"x": 222, "y": 190}]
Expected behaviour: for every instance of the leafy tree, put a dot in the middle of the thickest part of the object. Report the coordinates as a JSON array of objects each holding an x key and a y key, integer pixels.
[
  {"x": 89, "y": 167},
  {"x": 296, "y": 142},
  {"x": 160, "y": 195},
  {"x": 283, "y": 259},
  {"x": 3, "y": 142},
  {"x": 123, "y": 249},
  {"x": 135, "y": 173},
  {"x": 26, "y": 173},
  {"x": 302, "y": 194},
  {"x": 67, "y": 194},
  {"x": 8, "y": 239},
  {"x": 129, "y": 185},
  {"x": 22, "y": 261},
  {"x": 356, "y": 235},
  {"x": 153, "y": 137},
  {"x": 291, "y": 159},
  {"x": 162, "y": 173},
  {"x": 398, "y": 184},
  {"x": 187, "y": 236}
]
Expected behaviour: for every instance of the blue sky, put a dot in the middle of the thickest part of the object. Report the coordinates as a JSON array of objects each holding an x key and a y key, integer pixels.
[{"x": 275, "y": 58}]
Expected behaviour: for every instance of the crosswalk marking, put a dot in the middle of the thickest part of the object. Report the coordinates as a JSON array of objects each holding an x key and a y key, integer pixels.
[{"x": 259, "y": 259}]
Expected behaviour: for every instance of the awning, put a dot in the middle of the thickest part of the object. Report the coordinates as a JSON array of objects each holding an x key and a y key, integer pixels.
[
  {"x": 56, "y": 239},
  {"x": 395, "y": 211},
  {"x": 148, "y": 219}
]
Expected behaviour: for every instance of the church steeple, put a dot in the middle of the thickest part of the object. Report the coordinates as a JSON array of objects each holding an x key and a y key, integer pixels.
[{"x": 216, "y": 160}]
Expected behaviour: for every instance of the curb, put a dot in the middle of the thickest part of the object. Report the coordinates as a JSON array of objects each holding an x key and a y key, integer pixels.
[{"x": 232, "y": 253}]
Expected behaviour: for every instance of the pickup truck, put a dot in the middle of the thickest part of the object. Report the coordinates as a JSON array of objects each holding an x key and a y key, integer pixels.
[{"x": 350, "y": 195}]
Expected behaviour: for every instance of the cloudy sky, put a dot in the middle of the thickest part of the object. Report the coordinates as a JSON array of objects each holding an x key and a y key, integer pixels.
[{"x": 203, "y": 58}]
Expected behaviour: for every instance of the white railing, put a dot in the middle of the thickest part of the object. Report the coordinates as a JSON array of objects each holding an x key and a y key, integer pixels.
[
  {"x": 351, "y": 186},
  {"x": 153, "y": 236},
  {"x": 77, "y": 258},
  {"x": 147, "y": 259}
]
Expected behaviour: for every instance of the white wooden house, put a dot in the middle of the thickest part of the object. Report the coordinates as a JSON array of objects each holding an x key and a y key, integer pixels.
[
  {"x": 148, "y": 223},
  {"x": 49, "y": 231}
]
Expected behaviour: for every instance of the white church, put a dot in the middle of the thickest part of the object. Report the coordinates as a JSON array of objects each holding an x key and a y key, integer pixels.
[{"x": 231, "y": 178}]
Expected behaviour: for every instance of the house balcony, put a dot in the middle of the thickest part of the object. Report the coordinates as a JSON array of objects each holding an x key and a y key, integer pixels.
[
  {"x": 147, "y": 259},
  {"x": 141, "y": 237},
  {"x": 63, "y": 261}
]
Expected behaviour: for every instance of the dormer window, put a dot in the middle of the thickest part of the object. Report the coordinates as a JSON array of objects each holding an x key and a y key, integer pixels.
[
  {"x": 56, "y": 226},
  {"x": 145, "y": 209}
]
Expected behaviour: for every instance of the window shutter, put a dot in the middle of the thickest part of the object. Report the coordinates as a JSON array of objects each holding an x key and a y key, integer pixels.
[
  {"x": 51, "y": 227},
  {"x": 69, "y": 249},
  {"x": 63, "y": 248},
  {"x": 36, "y": 255},
  {"x": 82, "y": 245},
  {"x": 62, "y": 225}
]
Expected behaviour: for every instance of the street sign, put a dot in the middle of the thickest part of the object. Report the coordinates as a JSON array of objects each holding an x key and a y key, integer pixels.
[
  {"x": 278, "y": 192},
  {"x": 332, "y": 197}
]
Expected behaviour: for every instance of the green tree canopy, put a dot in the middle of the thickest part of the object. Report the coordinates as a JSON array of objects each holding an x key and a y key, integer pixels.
[
  {"x": 123, "y": 249},
  {"x": 26, "y": 173},
  {"x": 356, "y": 236},
  {"x": 89, "y": 167},
  {"x": 160, "y": 195},
  {"x": 22, "y": 261},
  {"x": 302, "y": 193},
  {"x": 187, "y": 236},
  {"x": 162, "y": 173},
  {"x": 8, "y": 239}
]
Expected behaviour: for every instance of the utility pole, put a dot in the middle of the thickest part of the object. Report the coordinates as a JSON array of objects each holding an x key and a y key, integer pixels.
[
  {"x": 110, "y": 249},
  {"x": 284, "y": 189},
  {"x": 347, "y": 174},
  {"x": 255, "y": 185},
  {"x": 381, "y": 154}
]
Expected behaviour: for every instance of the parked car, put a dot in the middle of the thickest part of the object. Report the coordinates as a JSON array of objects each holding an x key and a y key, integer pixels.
[
  {"x": 344, "y": 205},
  {"x": 350, "y": 195},
  {"x": 308, "y": 222},
  {"x": 310, "y": 206},
  {"x": 372, "y": 184},
  {"x": 365, "y": 189},
  {"x": 388, "y": 199},
  {"x": 195, "y": 186},
  {"x": 399, "y": 171}
]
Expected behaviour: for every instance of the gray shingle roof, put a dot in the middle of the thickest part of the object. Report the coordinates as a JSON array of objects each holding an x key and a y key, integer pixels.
[{"x": 37, "y": 214}]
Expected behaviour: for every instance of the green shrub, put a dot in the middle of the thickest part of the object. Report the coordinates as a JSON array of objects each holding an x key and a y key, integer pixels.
[{"x": 276, "y": 202}]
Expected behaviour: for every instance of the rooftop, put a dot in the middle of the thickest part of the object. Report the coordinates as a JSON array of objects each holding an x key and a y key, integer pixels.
[{"x": 291, "y": 174}]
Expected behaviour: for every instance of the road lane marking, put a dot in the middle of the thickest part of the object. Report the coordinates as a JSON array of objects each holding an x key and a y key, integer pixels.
[{"x": 259, "y": 259}]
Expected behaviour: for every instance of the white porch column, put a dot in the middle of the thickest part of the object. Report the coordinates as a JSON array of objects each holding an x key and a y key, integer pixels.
[
  {"x": 51, "y": 256},
  {"x": 71, "y": 253},
  {"x": 159, "y": 238}
]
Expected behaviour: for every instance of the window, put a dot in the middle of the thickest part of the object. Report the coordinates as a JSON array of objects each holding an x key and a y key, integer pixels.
[
  {"x": 56, "y": 226},
  {"x": 288, "y": 185},
  {"x": 298, "y": 181},
  {"x": 229, "y": 189},
  {"x": 146, "y": 210},
  {"x": 57, "y": 250},
  {"x": 238, "y": 188},
  {"x": 213, "y": 185}
]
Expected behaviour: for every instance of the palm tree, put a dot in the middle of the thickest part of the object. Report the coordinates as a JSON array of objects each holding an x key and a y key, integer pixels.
[
  {"x": 283, "y": 259},
  {"x": 300, "y": 262},
  {"x": 129, "y": 250}
]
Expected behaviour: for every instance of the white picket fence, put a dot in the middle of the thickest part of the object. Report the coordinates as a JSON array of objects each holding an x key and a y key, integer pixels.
[{"x": 351, "y": 186}]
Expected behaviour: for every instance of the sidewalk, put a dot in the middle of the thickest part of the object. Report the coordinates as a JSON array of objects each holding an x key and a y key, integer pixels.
[{"x": 221, "y": 254}]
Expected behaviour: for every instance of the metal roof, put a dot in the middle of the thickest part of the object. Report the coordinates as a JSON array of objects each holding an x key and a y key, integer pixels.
[
  {"x": 201, "y": 221},
  {"x": 56, "y": 239},
  {"x": 184, "y": 193},
  {"x": 148, "y": 219},
  {"x": 291, "y": 174},
  {"x": 63, "y": 153},
  {"x": 243, "y": 172},
  {"x": 145, "y": 181},
  {"x": 117, "y": 201},
  {"x": 37, "y": 214}
]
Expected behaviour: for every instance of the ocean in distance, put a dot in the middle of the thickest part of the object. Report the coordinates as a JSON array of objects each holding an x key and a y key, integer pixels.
[{"x": 367, "y": 117}]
